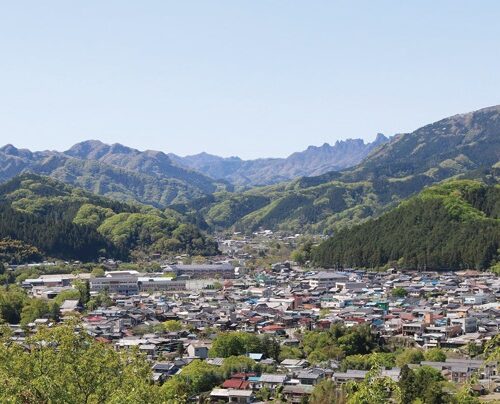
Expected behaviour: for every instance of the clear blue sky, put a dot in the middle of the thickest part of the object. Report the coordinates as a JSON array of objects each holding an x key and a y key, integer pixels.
[{"x": 249, "y": 78}]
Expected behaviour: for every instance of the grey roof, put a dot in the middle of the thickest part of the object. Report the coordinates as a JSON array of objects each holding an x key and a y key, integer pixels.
[
  {"x": 272, "y": 378},
  {"x": 328, "y": 275},
  {"x": 310, "y": 374},
  {"x": 202, "y": 267}
]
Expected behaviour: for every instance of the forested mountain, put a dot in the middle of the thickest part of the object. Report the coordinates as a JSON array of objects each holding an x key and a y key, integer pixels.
[
  {"x": 462, "y": 145},
  {"x": 112, "y": 170},
  {"x": 266, "y": 171},
  {"x": 66, "y": 222},
  {"x": 453, "y": 225},
  {"x": 466, "y": 145}
]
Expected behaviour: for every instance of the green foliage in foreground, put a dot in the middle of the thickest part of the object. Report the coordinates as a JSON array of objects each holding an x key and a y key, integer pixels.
[
  {"x": 60, "y": 365},
  {"x": 65, "y": 365},
  {"x": 450, "y": 226}
]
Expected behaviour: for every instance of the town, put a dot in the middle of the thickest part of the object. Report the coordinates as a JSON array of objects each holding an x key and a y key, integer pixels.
[{"x": 184, "y": 313}]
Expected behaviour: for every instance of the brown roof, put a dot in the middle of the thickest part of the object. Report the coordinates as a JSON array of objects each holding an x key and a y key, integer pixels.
[{"x": 236, "y": 384}]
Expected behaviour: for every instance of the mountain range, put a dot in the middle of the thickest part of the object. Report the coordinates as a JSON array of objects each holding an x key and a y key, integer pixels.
[
  {"x": 465, "y": 145},
  {"x": 155, "y": 178},
  {"x": 116, "y": 171},
  {"x": 378, "y": 176},
  {"x": 265, "y": 171}
]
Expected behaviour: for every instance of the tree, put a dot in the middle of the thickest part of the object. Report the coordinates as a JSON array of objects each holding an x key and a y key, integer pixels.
[
  {"x": 35, "y": 308},
  {"x": 68, "y": 294},
  {"x": 172, "y": 325},
  {"x": 473, "y": 349},
  {"x": 12, "y": 300},
  {"x": 326, "y": 392},
  {"x": 298, "y": 256},
  {"x": 180, "y": 349},
  {"x": 368, "y": 361},
  {"x": 495, "y": 268},
  {"x": 448, "y": 226},
  {"x": 17, "y": 252},
  {"x": 98, "y": 272},
  {"x": 263, "y": 394},
  {"x": 237, "y": 364},
  {"x": 234, "y": 344},
  {"x": 83, "y": 288},
  {"x": 435, "y": 355},
  {"x": 101, "y": 299},
  {"x": 176, "y": 390},
  {"x": 410, "y": 355},
  {"x": 290, "y": 352},
  {"x": 429, "y": 385},
  {"x": 375, "y": 389},
  {"x": 195, "y": 378},
  {"x": 358, "y": 340},
  {"x": 466, "y": 396},
  {"x": 61, "y": 365},
  {"x": 271, "y": 348},
  {"x": 399, "y": 292},
  {"x": 407, "y": 385}
]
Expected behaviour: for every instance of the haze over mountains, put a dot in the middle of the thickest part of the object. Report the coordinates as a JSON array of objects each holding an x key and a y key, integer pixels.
[
  {"x": 265, "y": 171},
  {"x": 462, "y": 145},
  {"x": 373, "y": 176},
  {"x": 116, "y": 171},
  {"x": 159, "y": 179}
]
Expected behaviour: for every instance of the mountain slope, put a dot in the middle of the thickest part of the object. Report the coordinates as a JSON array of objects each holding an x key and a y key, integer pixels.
[
  {"x": 462, "y": 145},
  {"x": 70, "y": 223},
  {"x": 450, "y": 146},
  {"x": 313, "y": 161},
  {"x": 454, "y": 225},
  {"x": 112, "y": 170}
]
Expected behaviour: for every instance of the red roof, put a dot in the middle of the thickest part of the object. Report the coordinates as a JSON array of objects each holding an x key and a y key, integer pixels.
[
  {"x": 236, "y": 384},
  {"x": 273, "y": 327}
]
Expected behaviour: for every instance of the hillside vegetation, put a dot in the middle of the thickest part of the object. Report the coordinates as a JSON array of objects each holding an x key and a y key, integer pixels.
[
  {"x": 66, "y": 222},
  {"x": 114, "y": 171},
  {"x": 454, "y": 225},
  {"x": 461, "y": 146},
  {"x": 465, "y": 145}
]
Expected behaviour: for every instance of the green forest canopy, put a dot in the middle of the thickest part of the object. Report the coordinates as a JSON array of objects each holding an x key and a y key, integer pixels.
[
  {"x": 69, "y": 223},
  {"x": 453, "y": 225}
]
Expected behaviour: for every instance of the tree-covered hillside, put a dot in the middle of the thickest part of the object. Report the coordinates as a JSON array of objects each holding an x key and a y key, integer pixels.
[
  {"x": 453, "y": 225},
  {"x": 465, "y": 145},
  {"x": 66, "y": 222},
  {"x": 114, "y": 171}
]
